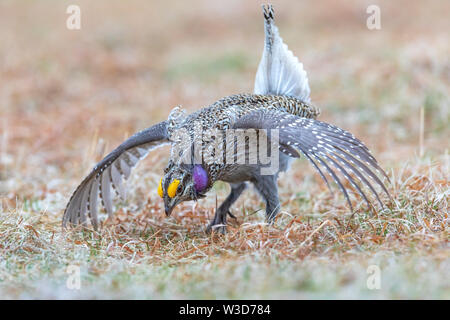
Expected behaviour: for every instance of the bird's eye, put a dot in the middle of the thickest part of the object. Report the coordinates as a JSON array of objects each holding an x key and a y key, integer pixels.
[
  {"x": 160, "y": 189},
  {"x": 172, "y": 189}
]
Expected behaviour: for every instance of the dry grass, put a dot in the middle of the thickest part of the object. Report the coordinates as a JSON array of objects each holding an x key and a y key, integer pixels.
[{"x": 68, "y": 97}]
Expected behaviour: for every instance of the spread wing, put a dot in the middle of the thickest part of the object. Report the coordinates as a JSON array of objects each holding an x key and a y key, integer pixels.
[
  {"x": 327, "y": 147},
  {"x": 109, "y": 172},
  {"x": 279, "y": 72}
]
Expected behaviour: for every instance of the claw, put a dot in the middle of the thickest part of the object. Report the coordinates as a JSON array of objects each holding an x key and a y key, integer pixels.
[
  {"x": 216, "y": 228},
  {"x": 231, "y": 215}
]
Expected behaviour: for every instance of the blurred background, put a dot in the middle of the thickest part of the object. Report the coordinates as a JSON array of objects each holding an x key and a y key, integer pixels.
[
  {"x": 132, "y": 61},
  {"x": 69, "y": 96}
]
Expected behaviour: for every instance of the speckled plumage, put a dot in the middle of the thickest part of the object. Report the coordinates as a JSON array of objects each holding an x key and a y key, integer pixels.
[
  {"x": 223, "y": 113},
  {"x": 278, "y": 111}
]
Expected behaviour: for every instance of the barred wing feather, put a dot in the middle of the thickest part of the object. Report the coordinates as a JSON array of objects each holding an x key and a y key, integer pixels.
[
  {"x": 327, "y": 147},
  {"x": 109, "y": 173}
]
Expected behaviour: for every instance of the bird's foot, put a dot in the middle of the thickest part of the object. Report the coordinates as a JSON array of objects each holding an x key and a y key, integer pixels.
[
  {"x": 218, "y": 228},
  {"x": 219, "y": 223}
]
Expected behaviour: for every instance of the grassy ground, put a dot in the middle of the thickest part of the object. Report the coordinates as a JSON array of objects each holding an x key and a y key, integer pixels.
[{"x": 68, "y": 97}]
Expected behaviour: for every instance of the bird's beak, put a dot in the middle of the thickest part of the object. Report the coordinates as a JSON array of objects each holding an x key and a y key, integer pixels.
[{"x": 168, "y": 207}]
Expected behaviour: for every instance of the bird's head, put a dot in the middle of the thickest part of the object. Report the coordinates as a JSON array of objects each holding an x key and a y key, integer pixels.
[{"x": 182, "y": 183}]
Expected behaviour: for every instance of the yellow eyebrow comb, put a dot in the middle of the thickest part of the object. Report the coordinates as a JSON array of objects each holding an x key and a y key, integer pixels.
[
  {"x": 172, "y": 189},
  {"x": 160, "y": 189}
]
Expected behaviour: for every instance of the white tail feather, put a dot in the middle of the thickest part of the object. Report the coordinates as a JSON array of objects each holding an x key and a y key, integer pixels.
[{"x": 279, "y": 71}]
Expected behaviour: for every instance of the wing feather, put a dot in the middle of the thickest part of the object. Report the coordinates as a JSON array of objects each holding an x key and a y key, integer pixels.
[
  {"x": 105, "y": 191},
  {"x": 116, "y": 178},
  {"x": 108, "y": 173},
  {"x": 93, "y": 194},
  {"x": 84, "y": 203},
  {"x": 322, "y": 144},
  {"x": 126, "y": 169}
]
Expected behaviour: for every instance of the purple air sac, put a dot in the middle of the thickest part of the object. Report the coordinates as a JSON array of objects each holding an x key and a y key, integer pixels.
[{"x": 200, "y": 178}]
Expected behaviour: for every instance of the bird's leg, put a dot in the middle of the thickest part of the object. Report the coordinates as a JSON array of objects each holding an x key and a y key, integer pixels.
[
  {"x": 268, "y": 188},
  {"x": 220, "y": 218}
]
